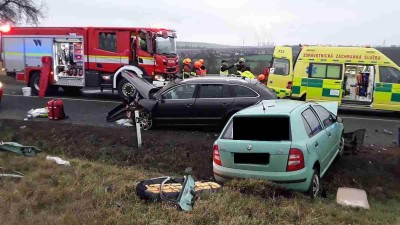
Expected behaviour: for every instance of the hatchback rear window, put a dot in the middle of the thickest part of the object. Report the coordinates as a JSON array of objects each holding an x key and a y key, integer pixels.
[{"x": 276, "y": 128}]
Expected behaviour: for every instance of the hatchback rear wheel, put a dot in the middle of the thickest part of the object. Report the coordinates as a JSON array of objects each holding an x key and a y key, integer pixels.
[
  {"x": 314, "y": 191},
  {"x": 341, "y": 147}
]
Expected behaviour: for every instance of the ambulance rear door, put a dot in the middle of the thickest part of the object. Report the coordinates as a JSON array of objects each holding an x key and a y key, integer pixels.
[{"x": 281, "y": 71}]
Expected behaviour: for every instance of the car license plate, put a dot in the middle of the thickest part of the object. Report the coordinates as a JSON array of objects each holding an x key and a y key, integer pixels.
[{"x": 171, "y": 61}]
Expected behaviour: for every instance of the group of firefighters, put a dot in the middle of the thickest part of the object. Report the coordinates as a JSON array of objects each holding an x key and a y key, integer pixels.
[
  {"x": 242, "y": 70},
  {"x": 199, "y": 69}
]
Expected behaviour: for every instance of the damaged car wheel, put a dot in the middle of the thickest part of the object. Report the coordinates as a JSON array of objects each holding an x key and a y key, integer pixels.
[
  {"x": 146, "y": 120},
  {"x": 126, "y": 89}
]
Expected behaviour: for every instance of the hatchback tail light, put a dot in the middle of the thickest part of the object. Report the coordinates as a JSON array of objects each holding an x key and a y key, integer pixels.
[
  {"x": 289, "y": 85},
  {"x": 295, "y": 160},
  {"x": 216, "y": 156}
]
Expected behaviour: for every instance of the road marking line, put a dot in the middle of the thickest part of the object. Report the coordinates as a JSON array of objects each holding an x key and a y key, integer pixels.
[
  {"x": 72, "y": 99},
  {"x": 363, "y": 118}
]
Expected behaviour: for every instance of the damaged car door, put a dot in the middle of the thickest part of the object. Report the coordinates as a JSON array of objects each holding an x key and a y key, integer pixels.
[{"x": 176, "y": 104}]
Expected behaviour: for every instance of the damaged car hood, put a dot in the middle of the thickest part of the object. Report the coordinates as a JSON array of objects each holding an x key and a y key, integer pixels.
[{"x": 143, "y": 87}]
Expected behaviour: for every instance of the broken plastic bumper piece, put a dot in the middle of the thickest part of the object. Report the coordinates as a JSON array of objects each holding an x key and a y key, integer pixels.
[{"x": 19, "y": 149}]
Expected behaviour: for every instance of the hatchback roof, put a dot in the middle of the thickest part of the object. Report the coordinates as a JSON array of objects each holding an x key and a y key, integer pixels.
[{"x": 272, "y": 107}]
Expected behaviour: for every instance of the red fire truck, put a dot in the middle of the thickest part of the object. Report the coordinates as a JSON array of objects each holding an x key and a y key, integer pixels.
[{"x": 90, "y": 56}]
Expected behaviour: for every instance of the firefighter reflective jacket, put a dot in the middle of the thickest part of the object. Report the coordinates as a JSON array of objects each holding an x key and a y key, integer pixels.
[
  {"x": 248, "y": 74},
  {"x": 224, "y": 70}
]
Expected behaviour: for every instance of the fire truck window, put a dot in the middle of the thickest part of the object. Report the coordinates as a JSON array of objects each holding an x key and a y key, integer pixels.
[{"x": 108, "y": 41}]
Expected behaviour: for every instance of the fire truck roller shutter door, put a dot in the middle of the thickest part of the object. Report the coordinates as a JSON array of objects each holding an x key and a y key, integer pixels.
[{"x": 13, "y": 54}]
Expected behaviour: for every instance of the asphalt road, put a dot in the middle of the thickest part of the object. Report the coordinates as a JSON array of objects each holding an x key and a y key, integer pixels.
[{"x": 91, "y": 107}]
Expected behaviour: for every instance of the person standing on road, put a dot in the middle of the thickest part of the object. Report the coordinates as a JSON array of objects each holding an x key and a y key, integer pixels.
[
  {"x": 262, "y": 78},
  {"x": 240, "y": 66},
  {"x": 247, "y": 73},
  {"x": 197, "y": 68},
  {"x": 203, "y": 67},
  {"x": 186, "y": 70},
  {"x": 224, "y": 70},
  {"x": 266, "y": 72}
]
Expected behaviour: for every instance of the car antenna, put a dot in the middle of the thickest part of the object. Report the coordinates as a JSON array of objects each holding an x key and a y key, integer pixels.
[{"x": 262, "y": 103}]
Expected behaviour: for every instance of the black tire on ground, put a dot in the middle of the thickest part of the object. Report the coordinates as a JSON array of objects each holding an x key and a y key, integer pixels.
[
  {"x": 315, "y": 190},
  {"x": 125, "y": 88},
  {"x": 72, "y": 90},
  {"x": 34, "y": 83}
]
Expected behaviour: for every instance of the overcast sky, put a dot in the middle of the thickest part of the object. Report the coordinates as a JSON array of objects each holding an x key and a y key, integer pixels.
[{"x": 355, "y": 22}]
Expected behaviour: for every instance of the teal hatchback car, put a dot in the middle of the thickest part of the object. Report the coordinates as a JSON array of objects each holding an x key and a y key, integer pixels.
[{"x": 291, "y": 143}]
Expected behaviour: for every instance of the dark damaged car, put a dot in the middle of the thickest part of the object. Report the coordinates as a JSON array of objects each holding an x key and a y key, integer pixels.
[{"x": 196, "y": 101}]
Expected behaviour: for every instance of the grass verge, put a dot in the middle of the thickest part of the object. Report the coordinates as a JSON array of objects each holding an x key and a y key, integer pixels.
[{"x": 99, "y": 189}]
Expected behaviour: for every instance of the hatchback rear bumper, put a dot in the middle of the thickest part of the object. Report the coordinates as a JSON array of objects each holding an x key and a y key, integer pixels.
[{"x": 297, "y": 180}]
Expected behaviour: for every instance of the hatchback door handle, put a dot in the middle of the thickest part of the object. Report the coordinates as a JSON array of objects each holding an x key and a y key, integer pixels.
[
  {"x": 189, "y": 105},
  {"x": 225, "y": 104},
  {"x": 329, "y": 133},
  {"x": 338, "y": 82},
  {"x": 316, "y": 144}
]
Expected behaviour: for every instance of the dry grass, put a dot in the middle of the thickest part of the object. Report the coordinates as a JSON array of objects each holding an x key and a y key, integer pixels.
[
  {"x": 92, "y": 193},
  {"x": 99, "y": 187}
]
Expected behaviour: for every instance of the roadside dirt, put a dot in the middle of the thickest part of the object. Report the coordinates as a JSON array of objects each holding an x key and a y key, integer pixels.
[
  {"x": 170, "y": 151},
  {"x": 163, "y": 150}
]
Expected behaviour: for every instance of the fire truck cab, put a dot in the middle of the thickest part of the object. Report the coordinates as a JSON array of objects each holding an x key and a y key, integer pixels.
[{"x": 90, "y": 56}]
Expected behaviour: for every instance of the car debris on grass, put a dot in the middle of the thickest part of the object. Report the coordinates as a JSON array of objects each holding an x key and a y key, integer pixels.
[
  {"x": 179, "y": 191},
  {"x": 13, "y": 174},
  {"x": 352, "y": 197},
  {"x": 19, "y": 149},
  {"x": 58, "y": 160}
]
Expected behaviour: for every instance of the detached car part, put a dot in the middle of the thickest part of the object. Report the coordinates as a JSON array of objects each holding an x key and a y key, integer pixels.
[{"x": 19, "y": 149}]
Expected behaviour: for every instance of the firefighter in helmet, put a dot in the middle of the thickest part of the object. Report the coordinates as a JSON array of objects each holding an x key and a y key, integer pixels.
[
  {"x": 203, "y": 67},
  {"x": 186, "y": 70},
  {"x": 240, "y": 67},
  {"x": 197, "y": 68},
  {"x": 262, "y": 78},
  {"x": 142, "y": 41}
]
